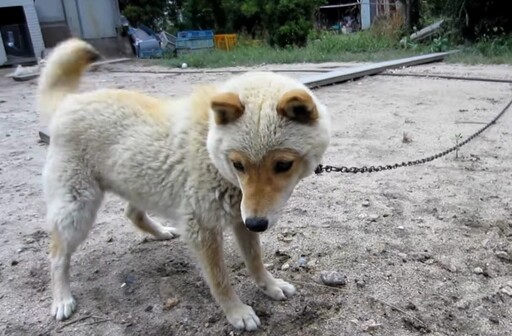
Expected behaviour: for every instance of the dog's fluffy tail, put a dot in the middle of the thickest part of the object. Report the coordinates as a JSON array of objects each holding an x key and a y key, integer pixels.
[{"x": 61, "y": 74}]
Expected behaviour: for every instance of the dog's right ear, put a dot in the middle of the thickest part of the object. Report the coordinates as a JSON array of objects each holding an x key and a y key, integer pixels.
[{"x": 227, "y": 108}]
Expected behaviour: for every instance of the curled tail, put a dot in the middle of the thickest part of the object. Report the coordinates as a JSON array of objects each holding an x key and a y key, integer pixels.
[{"x": 62, "y": 72}]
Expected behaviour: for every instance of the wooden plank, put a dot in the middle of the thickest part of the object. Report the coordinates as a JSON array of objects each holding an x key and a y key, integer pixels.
[{"x": 346, "y": 74}]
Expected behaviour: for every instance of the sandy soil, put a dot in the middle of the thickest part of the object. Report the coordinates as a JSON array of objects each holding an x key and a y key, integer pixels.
[{"x": 425, "y": 250}]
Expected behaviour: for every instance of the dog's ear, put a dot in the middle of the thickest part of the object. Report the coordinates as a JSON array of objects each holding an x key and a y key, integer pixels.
[
  {"x": 226, "y": 108},
  {"x": 298, "y": 105}
]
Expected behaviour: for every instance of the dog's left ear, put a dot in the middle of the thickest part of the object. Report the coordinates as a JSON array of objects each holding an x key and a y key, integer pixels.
[
  {"x": 298, "y": 105},
  {"x": 227, "y": 108}
]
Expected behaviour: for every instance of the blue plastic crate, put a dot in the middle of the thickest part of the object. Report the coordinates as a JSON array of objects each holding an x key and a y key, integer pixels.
[
  {"x": 195, "y": 34},
  {"x": 192, "y": 40}
]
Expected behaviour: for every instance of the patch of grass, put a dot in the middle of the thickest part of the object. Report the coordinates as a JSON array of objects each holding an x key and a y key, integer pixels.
[
  {"x": 362, "y": 46},
  {"x": 368, "y": 46},
  {"x": 486, "y": 51}
]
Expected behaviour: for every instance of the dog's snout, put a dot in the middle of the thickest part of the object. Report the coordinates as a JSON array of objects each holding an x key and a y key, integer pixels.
[{"x": 256, "y": 224}]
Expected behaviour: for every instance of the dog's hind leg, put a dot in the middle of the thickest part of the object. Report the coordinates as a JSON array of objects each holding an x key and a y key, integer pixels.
[
  {"x": 71, "y": 212},
  {"x": 141, "y": 220},
  {"x": 207, "y": 244},
  {"x": 249, "y": 243}
]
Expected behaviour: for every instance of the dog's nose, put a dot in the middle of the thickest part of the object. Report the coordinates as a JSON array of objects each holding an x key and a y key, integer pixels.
[{"x": 256, "y": 224}]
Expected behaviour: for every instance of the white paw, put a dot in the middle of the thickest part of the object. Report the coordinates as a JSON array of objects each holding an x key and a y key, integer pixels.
[
  {"x": 63, "y": 309},
  {"x": 243, "y": 317},
  {"x": 278, "y": 289},
  {"x": 167, "y": 233}
]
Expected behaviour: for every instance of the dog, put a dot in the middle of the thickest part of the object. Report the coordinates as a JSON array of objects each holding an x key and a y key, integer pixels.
[{"x": 226, "y": 156}]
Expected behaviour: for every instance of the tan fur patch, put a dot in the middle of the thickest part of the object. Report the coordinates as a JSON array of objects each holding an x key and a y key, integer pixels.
[
  {"x": 262, "y": 186},
  {"x": 298, "y": 106},
  {"x": 227, "y": 108},
  {"x": 55, "y": 244}
]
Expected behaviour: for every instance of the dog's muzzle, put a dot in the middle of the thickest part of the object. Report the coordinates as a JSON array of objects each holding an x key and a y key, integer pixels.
[{"x": 256, "y": 224}]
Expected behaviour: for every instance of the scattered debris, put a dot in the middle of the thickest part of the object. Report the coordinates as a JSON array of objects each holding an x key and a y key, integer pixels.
[
  {"x": 370, "y": 326},
  {"x": 171, "y": 303},
  {"x": 504, "y": 255},
  {"x": 285, "y": 267},
  {"x": 406, "y": 138},
  {"x": 507, "y": 290}
]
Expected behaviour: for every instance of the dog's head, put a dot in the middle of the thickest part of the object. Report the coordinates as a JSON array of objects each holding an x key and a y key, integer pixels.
[{"x": 267, "y": 132}]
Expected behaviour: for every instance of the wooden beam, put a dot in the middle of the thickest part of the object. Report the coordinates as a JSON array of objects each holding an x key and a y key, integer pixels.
[{"x": 346, "y": 74}]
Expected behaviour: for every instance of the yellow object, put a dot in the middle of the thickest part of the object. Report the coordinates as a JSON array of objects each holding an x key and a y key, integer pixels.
[{"x": 225, "y": 41}]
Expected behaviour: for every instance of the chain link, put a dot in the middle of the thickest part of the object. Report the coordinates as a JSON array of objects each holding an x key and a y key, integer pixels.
[{"x": 372, "y": 169}]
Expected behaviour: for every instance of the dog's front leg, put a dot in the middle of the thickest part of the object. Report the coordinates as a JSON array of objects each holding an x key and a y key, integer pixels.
[
  {"x": 207, "y": 244},
  {"x": 249, "y": 243}
]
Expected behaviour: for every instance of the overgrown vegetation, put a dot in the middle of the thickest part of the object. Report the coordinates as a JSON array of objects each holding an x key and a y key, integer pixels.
[{"x": 269, "y": 33}]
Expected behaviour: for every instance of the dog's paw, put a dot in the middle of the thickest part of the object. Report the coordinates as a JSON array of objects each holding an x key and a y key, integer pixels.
[
  {"x": 62, "y": 309},
  {"x": 243, "y": 317},
  {"x": 278, "y": 289},
  {"x": 167, "y": 233}
]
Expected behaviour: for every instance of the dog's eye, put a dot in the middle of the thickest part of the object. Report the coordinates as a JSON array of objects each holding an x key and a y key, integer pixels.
[
  {"x": 238, "y": 166},
  {"x": 283, "y": 166}
]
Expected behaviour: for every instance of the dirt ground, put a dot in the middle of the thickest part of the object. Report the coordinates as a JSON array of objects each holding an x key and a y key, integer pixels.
[{"x": 425, "y": 250}]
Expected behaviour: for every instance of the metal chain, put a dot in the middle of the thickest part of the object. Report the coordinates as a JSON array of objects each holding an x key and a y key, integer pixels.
[{"x": 372, "y": 169}]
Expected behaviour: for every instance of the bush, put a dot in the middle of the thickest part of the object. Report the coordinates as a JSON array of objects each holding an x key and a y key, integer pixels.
[{"x": 289, "y": 22}]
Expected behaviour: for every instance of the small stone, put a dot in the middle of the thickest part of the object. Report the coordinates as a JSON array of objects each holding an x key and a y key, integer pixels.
[
  {"x": 494, "y": 319},
  {"x": 401, "y": 228},
  {"x": 285, "y": 267},
  {"x": 148, "y": 308},
  {"x": 462, "y": 304},
  {"x": 388, "y": 274},
  {"x": 370, "y": 325},
  {"x": 507, "y": 290},
  {"x": 170, "y": 303},
  {"x": 333, "y": 278},
  {"x": 360, "y": 283},
  {"x": 366, "y": 203},
  {"x": 373, "y": 217},
  {"x": 14, "y": 262},
  {"x": 447, "y": 264},
  {"x": 362, "y": 216},
  {"x": 123, "y": 284},
  {"x": 311, "y": 263},
  {"x": 410, "y": 306},
  {"x": 403, "y": 256},
  {"x": 302, "y": 262},
  {"x": 478, "y": 270},
  {"x": 503, "y": 255},
  {"x": 110, "y": 239}
]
